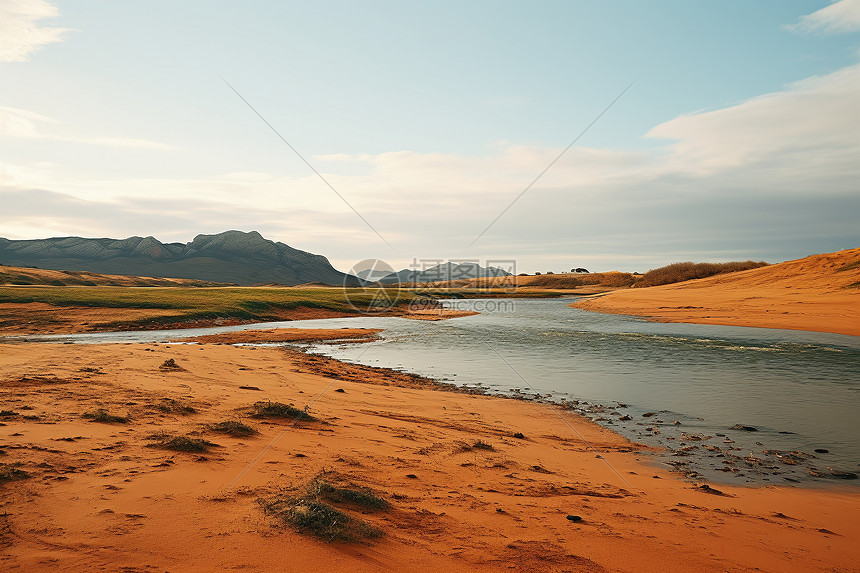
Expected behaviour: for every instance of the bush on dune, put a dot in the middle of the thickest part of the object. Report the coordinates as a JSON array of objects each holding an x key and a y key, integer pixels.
[
  {"x": 679, "y": 272},
  {"x": 609, "y": 279}
]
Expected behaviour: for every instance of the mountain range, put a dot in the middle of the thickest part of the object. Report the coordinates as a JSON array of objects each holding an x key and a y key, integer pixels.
[
  {"x": 444, "y": 272},
  {"x": 229, "y": 257}
]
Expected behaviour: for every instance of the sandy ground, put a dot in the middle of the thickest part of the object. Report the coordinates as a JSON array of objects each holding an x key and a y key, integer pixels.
[
  {"x": 287, "y": 335},
  {"x": 41, "y": 318},
  {"x": 815, "y": 293},
  {"x": 98, "y": 499}
]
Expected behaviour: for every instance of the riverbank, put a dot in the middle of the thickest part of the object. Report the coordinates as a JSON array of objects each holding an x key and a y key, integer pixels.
[
  {"x": 474, "y": 483},
  {"x": 820, "y": 293}
]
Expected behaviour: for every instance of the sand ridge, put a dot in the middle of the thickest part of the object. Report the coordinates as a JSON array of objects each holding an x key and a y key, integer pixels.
[
  {"x": 98, "y": 498},
  {"x": 819, "y": 293}
]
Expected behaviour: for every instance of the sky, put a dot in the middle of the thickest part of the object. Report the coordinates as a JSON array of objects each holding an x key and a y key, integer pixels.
[{"x": 425, "y": 131}]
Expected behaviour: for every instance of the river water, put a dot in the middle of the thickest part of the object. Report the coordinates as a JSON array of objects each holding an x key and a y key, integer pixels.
[{"x": 798, "y": 390}]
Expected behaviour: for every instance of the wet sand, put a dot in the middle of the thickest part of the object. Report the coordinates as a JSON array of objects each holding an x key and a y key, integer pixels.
[
  {"x": 98, "y": 498},
  {"x": 819, "y": 293}
]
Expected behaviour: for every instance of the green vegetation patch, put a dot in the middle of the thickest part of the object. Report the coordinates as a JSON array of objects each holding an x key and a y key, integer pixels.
[
  {"x": 180, "y": 443},
  {"x": 362, "y": 498},
  {"x": 267, "y": 409},
  {"x": 104, "y": 417},
  {"x": 233, "y": 428},
  {"x": 314, "y": 514}
]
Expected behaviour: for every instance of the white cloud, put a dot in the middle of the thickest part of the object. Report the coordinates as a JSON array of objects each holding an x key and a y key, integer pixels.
[
  {"x": 16, "y": 122},
  {"x": 20, "y": 32},
  {"x": 840, "y": 17},
  {"x": 809, "y": 129}
]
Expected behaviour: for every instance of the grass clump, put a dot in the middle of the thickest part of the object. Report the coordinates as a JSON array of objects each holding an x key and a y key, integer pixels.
[
  {"x": 104, "y": 417},
  {"x": 482, "y": 445},
  {"x": 171, "y": 406},
  {"x": 233, "y": 428},
  {"x": 170, "y": 364},
  {"x": 314, "y": 514},
  {"x": 10, "y": 472},
  {"x": 320, "y": 520},
  {"x": 181, "y": 443},
  {"x": 479, "y": 445},
  {"x": 267, "y": 409},
  {"x": 679, "y": 272},
  {"x": 362, "y": 498}
]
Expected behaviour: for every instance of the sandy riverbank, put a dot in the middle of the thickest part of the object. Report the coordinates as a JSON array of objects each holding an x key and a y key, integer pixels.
[
  {"x": 97, "y": 498},
  {"x": 819, "y": 293}
]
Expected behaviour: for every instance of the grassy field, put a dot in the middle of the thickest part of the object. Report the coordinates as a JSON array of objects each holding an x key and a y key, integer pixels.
[
  {"x": 171, "y": 305},
  {"x": 229, "y": 302}
]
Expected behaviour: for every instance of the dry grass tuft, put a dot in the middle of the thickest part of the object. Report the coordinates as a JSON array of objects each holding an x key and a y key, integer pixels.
[
  {"x": 679, "y": 272},
  {"x": 313, "y": 514}
]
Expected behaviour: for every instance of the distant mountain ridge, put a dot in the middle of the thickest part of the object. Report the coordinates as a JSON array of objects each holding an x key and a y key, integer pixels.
[
  {"x": 230, "y": 257},
  {"x": 444, "y": 272}
]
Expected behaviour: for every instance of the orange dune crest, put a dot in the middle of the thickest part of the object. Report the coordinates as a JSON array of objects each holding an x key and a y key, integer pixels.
[{"x": 819, "y": 293}]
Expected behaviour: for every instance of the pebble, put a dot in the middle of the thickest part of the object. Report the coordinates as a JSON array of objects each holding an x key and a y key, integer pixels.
[{"x": 574, "y": 518}]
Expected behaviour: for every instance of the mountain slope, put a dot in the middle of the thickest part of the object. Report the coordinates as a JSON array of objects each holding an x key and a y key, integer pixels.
[
  {"x": 820, "y": 293},
  {"x": 444, "y": 272},
  {"x": 231, "y": 257}
]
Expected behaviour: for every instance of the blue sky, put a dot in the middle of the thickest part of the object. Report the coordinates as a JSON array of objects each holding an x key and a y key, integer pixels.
[{"x": 737, "y": 140}]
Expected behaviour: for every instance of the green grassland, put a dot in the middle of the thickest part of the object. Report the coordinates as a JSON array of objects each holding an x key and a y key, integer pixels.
[
  {"x": 186, "y": 304},
  {"x": 247, "y": 303}
]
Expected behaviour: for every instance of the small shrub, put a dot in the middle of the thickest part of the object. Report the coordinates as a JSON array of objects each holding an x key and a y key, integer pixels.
[
  {"x": 171, "y": 406},
  {"x": 363, "y": 497},
  {"x": 181, "y": 443},
  {"x": 10, "y": 472},
  {"x": 313, "y": 513},
  {"x": 679, "y": 272},
  {"x": 170, "y": 364},
  {"x": 267, "y": 409},
  {"x": 320, "y": 519},
  {"x": 233, "y": 428},
  {"x": 103, "y": 417}
]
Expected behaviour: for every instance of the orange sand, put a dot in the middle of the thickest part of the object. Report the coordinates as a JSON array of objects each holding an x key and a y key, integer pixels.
[
  {"x": 98, "y": 499},
  {"x": 806, "y": 294},
  {"x": 41, "y": 318},
  {"x": 287, "y": 335}
]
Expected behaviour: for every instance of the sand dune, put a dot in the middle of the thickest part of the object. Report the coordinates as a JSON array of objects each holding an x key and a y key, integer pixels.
[
  {"x": 96, "y": 497},
  {"x": 820, "y": 293}
]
